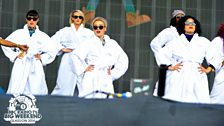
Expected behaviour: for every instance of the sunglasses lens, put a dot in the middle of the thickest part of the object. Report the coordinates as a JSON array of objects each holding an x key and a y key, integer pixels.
[
  {"x": 95, "y": 27},
  {"x": 100, "y": 27},
  {"x": 190, "y": 23},
  {"x": 30, "y": 18},
  {"x": 76, "y": 17},
  {"x": 35, "y": 19}
]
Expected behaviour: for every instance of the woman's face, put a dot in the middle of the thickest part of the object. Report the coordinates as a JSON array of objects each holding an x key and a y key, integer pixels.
[
  {"x": 178, "y": 17},
  {"x": 99, "y": 28},
  {"x": 77, "y": 18},
  {"x": 189, "y": 26},
  {"x": 32, "y": 21}
]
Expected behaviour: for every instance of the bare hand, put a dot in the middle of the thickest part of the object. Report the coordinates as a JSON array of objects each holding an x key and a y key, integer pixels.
[
  {"x": 177, "y": 67},
  {"x": 21, "y": 55},
  {"x": 89, "y": 68},
  {"x": 108, "y": 71},
  {"x": 23, "y": 47},
  {"x": 66, "y": 50},
  {"x": 204, "y": 70},
  {"x": 37, "y": 56}
]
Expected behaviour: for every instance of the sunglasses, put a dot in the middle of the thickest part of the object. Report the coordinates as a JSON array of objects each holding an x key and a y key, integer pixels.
[
  {"x": 76, "y": 17},
  {"x": 179, "y": 17},
  {"x": 189, "y": 23},
  {"x": 30, "y": 18},
  {"x": 98, "y": 27}
]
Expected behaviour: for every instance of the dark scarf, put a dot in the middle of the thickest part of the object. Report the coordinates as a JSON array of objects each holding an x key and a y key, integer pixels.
[{"x": 189, "y": 37}]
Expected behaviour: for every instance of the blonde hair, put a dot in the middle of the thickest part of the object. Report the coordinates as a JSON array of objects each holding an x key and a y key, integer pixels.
[
  {"x": 80, "y": 12},
  {"x": 99, "y": 19}
]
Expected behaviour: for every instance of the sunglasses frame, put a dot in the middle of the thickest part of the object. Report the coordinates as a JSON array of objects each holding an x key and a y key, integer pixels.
[
  {"x": 76, "y": 17},
  {"x": 30, "y": 18},
  {"x": 98, "y": 27},
  {"x": 179, "y": 17}
]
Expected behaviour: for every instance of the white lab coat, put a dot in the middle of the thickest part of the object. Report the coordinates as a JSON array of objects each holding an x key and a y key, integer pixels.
[
  {"x": 27, "y": 75},
  {"x": 97, "y": 83},
  {"x": 162, "y": 39},
  {"x": 217, "y": 93},
  {"x": 188, "y": 85},
  {"x": 68, "y": 37}
]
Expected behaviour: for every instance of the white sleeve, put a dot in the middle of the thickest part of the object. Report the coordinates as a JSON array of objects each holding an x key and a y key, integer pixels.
[
  {"x": 11, "y": 52},
  {"x": 56, "y": 39},
  {"x": 121, "y": 64},
  {"x": 78, "y": 57},
  {"x": 214, "y": 53},
  {"x": 159, "y": 41},
  {"x": 78, "y": 65},
  {"x": 49, "y": 52},
  {"x": 164, "y": 56}
]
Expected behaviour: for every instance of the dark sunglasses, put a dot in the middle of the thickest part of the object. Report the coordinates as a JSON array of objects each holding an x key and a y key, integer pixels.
[
  {"x": 30, "y": 18},
  {"x": 98, "y": 27},
  {"x": 76, "y": 17},
  {"x": 179, "y": 17}
]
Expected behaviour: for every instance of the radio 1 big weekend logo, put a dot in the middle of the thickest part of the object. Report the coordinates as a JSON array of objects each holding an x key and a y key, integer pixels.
[{"x": 22, "y": 110}]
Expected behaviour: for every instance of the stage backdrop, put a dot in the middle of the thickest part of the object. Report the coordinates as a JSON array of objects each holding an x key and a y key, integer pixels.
[{"x": 132, "y": 35}]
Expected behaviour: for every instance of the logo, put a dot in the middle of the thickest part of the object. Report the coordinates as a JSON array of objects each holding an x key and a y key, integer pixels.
[{"x": 22, "y": 110}]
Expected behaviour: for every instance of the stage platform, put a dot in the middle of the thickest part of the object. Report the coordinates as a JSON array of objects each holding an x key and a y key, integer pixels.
[{"x": 135, "y": 111}]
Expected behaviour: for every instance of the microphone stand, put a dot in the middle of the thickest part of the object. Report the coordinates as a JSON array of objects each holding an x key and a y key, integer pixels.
[{"x": 108, "y": 95}]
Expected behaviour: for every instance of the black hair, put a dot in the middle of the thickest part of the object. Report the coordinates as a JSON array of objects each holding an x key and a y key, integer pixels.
[
  {"x": 173, "y": 22},
  {"x": 181, "y": 25},
  {"x": 220, "y": 32},
  {"x": 32, "y": 13}
]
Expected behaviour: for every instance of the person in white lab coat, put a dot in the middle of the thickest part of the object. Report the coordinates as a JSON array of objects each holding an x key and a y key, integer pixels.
[
  {"x": 99, "y": 61},
  {"x": 167, "y": 34},
  {"x": 217, "y": 93},
  {"x": 67, "y": 39},
  {"x": 188, "y": 80},
  {"x": 28, "y": 75},
  {"x": 164, "y": 37}
]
